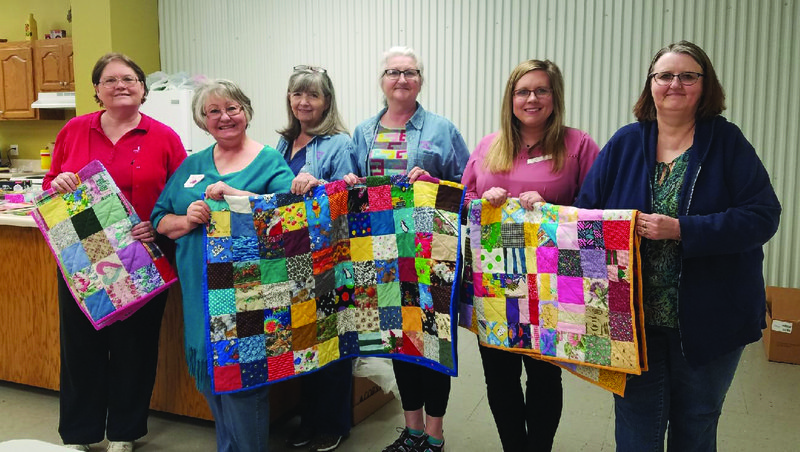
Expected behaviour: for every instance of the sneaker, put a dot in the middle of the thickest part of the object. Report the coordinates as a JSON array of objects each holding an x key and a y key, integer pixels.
[
  {"x": 428, "y": 447},
  {"x": 119, "y": 446},
  {"x": 83, "y": 447},
  {"x": 406, "y": 442},
  {"x": 299, "y": 437},
  {"x": 325, "y": 443}
]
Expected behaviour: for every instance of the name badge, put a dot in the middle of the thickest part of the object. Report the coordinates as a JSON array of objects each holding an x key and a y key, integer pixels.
[
  {"x": 193, "y": 180},
  {"x": 541, "y": 158}
]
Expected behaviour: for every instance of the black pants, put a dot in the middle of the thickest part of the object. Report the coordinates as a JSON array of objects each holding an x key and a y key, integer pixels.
[
  {"x": 525, "y": 422},
  {"x": 422, "y": 386},
  {"x": 327, "y": 399},
  {"x": 107, "y": 376}
]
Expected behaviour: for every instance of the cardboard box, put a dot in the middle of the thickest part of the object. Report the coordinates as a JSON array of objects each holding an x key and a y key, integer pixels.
[
  {"x": 367, "y": 398},
  {"x": 782, "y": 336}
]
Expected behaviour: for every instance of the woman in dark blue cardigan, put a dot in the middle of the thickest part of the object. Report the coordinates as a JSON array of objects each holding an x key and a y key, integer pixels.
[{"x": 706, "y": 208}]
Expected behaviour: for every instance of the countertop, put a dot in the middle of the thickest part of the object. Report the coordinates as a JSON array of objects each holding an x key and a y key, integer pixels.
[{"x": 26, "y": 221}]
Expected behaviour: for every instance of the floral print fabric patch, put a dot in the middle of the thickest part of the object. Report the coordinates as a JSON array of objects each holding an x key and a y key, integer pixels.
[{"x": 338, "y": 273}]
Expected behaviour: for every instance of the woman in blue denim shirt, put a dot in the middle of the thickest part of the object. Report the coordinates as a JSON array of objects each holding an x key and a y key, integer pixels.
[
  {"x": 317, "y": 148},
  {"x": 405, "y": 139},
  {"x": 315, "y": 144}
]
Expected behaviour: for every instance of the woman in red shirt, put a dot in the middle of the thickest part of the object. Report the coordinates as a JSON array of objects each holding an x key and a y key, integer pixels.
[{"x": 107, "y": 376}]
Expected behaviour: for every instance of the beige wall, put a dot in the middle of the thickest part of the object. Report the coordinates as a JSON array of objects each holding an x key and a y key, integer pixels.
[{"x": 98, "y": 27}]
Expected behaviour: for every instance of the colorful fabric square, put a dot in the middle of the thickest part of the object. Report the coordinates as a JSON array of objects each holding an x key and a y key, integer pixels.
[
  {"x": 109, "y": 274},
  {"x": 294, "y": 283},
  {"x": 573, "y": 301}
]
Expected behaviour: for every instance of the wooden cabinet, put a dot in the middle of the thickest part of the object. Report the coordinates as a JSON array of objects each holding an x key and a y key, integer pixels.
[
  {"x": 16, "y": 81},
  {"x": 53, "y": 65}
]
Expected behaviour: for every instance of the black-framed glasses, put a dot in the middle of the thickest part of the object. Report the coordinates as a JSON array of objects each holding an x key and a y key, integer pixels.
[
  {"x": 305, "y": 68},
  {"x": 216, "y": 113},
  {"x": 112, "y": 82},
  {"x": 394, "y": 74},
  {"x": 686, "y": 78},
  {"x": 540, "y": 93}
]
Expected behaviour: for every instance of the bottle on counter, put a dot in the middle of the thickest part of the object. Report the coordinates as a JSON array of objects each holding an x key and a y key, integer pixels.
[{"x": 31, "y": 32}]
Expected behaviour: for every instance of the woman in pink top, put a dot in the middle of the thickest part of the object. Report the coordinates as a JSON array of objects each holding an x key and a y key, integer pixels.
[{"x": 535, "y": 158}]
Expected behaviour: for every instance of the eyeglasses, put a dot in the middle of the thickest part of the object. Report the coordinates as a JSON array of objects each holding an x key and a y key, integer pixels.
[
  {"x": 394, "y": 74},
  {"x": 112, "y": 82},
  {"x": 216, "y": 113},
  {"x": 686, "y": 78},
  {"x": 540, "y": 93},
  {"x": 304, "y": 68}
]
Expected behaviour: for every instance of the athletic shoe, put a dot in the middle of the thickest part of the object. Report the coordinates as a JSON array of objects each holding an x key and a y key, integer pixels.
[{"x": 406, "y": 442}]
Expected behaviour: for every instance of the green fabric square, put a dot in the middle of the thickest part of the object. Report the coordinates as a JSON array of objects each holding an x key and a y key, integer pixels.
[
  {"x": 446, "y": 353},
  {"x": 402, "y": 196},
  {"x": 221, "y": 301},
  {"x": 377, "y": 181},
  {"x": 404, "y": 221},
  {"x": 598, "y": 350},
  {"x": 109, "y": 211},
  {"x": 273, "y": 271},
  {"x": 389, "y": 294},
  {"x": 405, "y": 245},
  {"x": 423, "y": 270},
  {"x": 216, "y": 206},
  {"x": 491, "y": 236}
]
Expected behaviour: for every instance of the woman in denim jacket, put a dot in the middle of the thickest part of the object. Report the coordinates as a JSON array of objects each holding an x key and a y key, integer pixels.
[
  {"x": 317, "y": 148},
  {"x": 405, "y": 139}
]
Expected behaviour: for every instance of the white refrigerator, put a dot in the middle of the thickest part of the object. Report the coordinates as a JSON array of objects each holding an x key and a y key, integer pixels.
[{"x": 174, "y": 108}]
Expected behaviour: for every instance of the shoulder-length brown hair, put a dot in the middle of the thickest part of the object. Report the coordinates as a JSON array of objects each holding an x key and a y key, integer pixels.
[
  {"x": 508, "y": 143},
  {"x": 712, "y": 101},
  {"x": 101, "y": 64}
]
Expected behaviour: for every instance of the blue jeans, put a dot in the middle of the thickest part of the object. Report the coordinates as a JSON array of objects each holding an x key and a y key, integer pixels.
[
  {"x": 242, "y": 419},
  {"x": 673, "y": 398}
]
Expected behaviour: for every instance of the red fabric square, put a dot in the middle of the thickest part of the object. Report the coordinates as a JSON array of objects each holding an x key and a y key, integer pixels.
[
  {"x": 165, "y": 269},
  {"x": 280, "y": 366},
  {"x": 619, "y": 293},
  {"x": 322, "y": 260},
  {"x": 380, "y": 198},
  {"x": 617, "y": 234},
  {"x": 227, "y": 378},
  {"x": 409, "y": 348},
  {"x": 408, "y": 269}
]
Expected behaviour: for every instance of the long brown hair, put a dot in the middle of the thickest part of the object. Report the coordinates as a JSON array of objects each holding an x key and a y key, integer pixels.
[
  {"x": 712, "y": 101},
  {"x": 507, "y": 145}
]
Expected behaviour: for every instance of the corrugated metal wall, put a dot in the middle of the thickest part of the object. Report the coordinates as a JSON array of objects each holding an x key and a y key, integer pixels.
[{"x": 469, "y": 47}]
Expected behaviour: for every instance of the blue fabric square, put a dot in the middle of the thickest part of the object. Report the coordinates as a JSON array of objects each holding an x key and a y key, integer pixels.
[
  {"x": 382, "y": 222},
  {"x": 519, "y": 335},
  {"x": 391, "y": 318},
  {"x": 263, "y": 203},
  {"x": 512, "y": 310},
  {"x": 74, "y": 258},
  {"x": 252, "y": 348},
  {"x": 245, "y": 248},
  {"x": 219, "y": 249},
  {"x": 359, "y": 224},
  {"x": 254, "y": 373},
  {"x": 348, "y": 343},
  {"x": 225, "y": 352},
  {"x": 287, "y": 199},
  {"x": 99, "y": 305},
  {"x": 593, "y": 263},
  {"x": 425, "y": 298},
  {"x": 387, "y": 271},
  {"x": 344, "y": 274},
  {"x": 242, "y": 225}
]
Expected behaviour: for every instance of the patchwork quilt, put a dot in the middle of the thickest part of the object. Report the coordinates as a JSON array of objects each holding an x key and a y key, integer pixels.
[
  {"x": 296, "y": 282},
  {"x": 556, "y": 283},
  {"x": 109, "y": 274}
]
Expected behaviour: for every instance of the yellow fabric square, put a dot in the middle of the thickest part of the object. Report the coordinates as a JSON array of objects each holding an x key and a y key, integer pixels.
[
  {"x": 547, "y": 286},
  {"x": 220, "y": 224},
  {"x": 361, "y": 249},
  {"x": 293, "y": 216},
  {"x": 531, "y": 233},
  {"x": 451, "y": 184},
  {"x": 412, "y": 318},
  {"x": 328, "y": 350},
  {"x": 444, "y": 247},
  {"x": 493, "y": 286},
  {"x": 548, "y": 316},
  {"x": 425, "y": 194},
  {"x": 530, "y": 258},
  {"x": 623, "y": 355},
  {"x": 54, "y": 211},
  {"x": 495, "y": 309},
  {"x": 567, "y": 214},
  {"x": 489, "y": 214},
  {"x": 304, "y": 313}
]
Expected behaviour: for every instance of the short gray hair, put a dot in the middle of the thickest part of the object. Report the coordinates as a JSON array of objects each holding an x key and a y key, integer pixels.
[
  {"x": 403, "y": 51},
  {"x": 225, "y": 89}
]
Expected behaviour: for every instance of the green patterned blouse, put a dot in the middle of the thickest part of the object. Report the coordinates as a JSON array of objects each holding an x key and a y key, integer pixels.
[{"x": 661, "y": 259}]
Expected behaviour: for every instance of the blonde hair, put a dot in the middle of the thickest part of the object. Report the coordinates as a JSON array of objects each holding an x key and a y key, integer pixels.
[{"x": 507, "y": 144}]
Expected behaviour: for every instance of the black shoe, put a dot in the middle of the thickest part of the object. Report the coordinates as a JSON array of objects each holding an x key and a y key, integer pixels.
[
  {"x": 428, "y": 447},
  {"x": 325, "y": 443},
  {"x": 406, "y": 442},
  {"x": 300, "y": 437}
]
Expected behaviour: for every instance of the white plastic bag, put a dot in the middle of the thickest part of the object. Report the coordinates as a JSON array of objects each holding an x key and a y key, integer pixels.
[
  {"x": 156, "y": 81},
  {"x": 378, "y": 370}
]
